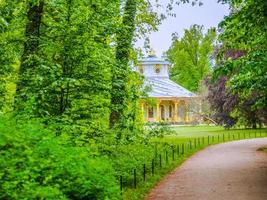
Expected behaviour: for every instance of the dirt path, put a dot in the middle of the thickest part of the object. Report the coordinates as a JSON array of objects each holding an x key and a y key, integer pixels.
[{"x": 229, "y": 171}]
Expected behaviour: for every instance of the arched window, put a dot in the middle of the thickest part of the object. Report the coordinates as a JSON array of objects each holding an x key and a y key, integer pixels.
[
  {"x": 150, "y": 112},
  {"x": 170, "y": 111},
  {"x": 162, "y": 112},
  {"x": 157, "y": 69},
  {"x": 182, "y": 110}
]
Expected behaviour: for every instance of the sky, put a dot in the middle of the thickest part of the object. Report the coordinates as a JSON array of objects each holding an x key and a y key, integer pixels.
[{"x": 208, "y": 15}]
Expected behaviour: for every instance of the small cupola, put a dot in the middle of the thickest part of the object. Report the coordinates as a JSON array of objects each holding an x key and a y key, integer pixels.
[{"x": 152, "y": 66}]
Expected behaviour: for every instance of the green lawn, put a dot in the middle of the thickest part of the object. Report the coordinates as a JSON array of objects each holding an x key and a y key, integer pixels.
[
  {"x": 175, "y": 148},
  {"x": 216, "y": 133}
]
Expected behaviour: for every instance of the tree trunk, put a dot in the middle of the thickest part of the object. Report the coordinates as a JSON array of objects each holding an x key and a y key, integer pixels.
[
  {"x": 32, "y": 32},
  {"x": 67, "y": 65},
  {"x": 121, "y": 69},
  {"x": 254, "y": 125},
  {"x": 31, "y": 45}
]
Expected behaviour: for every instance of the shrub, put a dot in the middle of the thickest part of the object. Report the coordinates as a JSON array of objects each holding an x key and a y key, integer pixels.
[
  {"x": 158, "y": 129},
  {"x": 36, "y": 164}
]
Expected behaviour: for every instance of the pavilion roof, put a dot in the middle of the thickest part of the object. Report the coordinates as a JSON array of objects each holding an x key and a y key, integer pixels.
[{"x": 164, "y": 87}]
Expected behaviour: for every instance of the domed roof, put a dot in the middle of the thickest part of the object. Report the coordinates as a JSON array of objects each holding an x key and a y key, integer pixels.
[{"x": 153, "y": 59}]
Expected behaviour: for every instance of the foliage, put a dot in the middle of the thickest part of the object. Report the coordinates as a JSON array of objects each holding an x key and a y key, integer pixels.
[
  {"x": 67, "y": 78},
  {"x": 158, "y": 129},
  {"x": 67, "y": 63},
  {"x": 36, "y": 164},
  {"x": 242, "y": 58},
  {"x": 121, "y": 69},
  {"x": 125, "y": 158},
  {"x": 190, "y": 56},
  {"x": 221, "y": 101},
  {"x": 11, "y": 27}
]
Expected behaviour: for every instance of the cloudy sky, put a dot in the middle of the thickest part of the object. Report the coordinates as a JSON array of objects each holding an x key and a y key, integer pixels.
[{"x": 208, "y": 15}]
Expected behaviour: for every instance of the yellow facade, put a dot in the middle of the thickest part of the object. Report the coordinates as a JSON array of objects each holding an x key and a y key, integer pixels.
[{"x": 176, "y": 111}]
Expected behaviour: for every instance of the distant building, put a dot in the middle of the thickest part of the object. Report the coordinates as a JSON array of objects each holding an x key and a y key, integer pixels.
[{"x": 173, "y": 103}]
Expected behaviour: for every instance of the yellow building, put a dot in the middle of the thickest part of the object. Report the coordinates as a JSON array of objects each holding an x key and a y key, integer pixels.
[{"x": 171, "y": 102}]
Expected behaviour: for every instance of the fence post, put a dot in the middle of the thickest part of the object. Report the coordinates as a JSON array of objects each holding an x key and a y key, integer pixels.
[
  {"x": 153, "y": 167},
  {"x": 183, "y": 149},
  {"x": 195, "y": 143},
  {"x": 172, "y": 154},
  {"x": 190, "y": 144},
  {"x": 178, "y": 149},
  {"x": 223, "y": 137},
  {"x": 208, "y": 139},
  {"x": 156, "y": 149},
  {"x": 166, "y": 156},
  {"x": 121, "y": 184},
  {"x": 134, "y": 179},
  {"x": 160, "y": 160},
  {"x": 144, "y": 172},
  {"x": 198, "y": 141},
  {"x": 218, "y": 137}
]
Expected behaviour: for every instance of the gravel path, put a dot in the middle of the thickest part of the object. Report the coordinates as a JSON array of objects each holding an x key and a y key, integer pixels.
[{"x": 228, "y": 171}]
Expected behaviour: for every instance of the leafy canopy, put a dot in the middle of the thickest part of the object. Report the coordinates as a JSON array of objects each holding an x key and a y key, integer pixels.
[{"x": 190, "y": 56}]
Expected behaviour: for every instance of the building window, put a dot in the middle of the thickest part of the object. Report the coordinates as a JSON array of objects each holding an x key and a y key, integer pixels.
[
  {"x": 141, "y": 69},
  {"x": 182, "y": 110},
  {"x": 150, "y": 112},
  {"x": 162, "y": 110},
  {"x": 157, "y": 69},
  {"x": 170, "y": 111}
]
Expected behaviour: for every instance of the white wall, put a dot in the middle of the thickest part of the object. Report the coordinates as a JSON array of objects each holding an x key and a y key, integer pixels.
[{"x": 150, "y": 71}]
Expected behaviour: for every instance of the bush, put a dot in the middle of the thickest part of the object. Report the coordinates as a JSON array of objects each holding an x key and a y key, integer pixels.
[
  {"x": 125, "y": 158},
  {"x": 36, "y": 164},
  {"x": 158, "y": 129}
]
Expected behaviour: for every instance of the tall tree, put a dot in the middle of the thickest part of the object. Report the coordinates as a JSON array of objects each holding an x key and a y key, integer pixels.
[
  {"x": 190, "y": 56},
  {"x": 29, "y": 59},
  {"x": 121, "y": 68},
  {"x": 66, "y": 55},
  {"x": 11, "y": 36},
  {"x": 75, "y": 88},
  {"x": 221, "y": 102},
  {"x": 243, "y": 59}
]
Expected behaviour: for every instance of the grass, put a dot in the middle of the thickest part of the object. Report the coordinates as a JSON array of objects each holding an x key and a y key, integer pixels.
[
  {"x": 175, "y": 148},
  {"x": 186, "y": 133}
]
